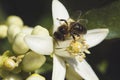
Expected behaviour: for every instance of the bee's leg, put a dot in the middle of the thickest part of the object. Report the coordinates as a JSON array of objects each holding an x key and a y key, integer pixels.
[{"x": 73, "y": 36}]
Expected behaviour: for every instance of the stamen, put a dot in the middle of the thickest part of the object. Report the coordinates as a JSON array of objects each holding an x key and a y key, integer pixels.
[
  {"x": 74, "y": 47},
  {"x": 78, "y": 48}
]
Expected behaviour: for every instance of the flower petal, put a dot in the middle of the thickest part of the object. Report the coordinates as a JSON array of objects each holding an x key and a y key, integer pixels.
[
  {"x": 95, "y": 36},
  {"x": 63, "y": 44},
  {"x": 83, "y": 69},
  {"x": 60, "y": 48},
  {"x": 62, "y": 52},
  {"x": 58, "y": 11},
  {"x": 40, "y": 44},
  {"x": 59, "y": 68}
]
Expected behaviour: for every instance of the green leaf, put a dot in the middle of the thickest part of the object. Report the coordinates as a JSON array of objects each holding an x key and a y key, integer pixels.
[{"x": 106, "y": 17}]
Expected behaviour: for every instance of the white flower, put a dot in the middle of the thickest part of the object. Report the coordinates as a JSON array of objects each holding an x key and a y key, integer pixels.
[{"x": 43, "y": 44}]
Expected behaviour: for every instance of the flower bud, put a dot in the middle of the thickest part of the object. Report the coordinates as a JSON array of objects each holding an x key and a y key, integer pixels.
[
  {"x": 3, "y": 31},
  {"x": 4, "y": 56},
  {"x": 71, "y": 74},
  {"x": 9, "y": 64},
  {"x": 13, "y": 30},
  {"x": 27, "y": 30},
  {"x": 39, "y": 30},
  {"x": 12, "y": 77},
  {"x": 19, "y": 46},
  {"x": 35, "y": 77},
  {"x": 32, "y": 61},
  {"x": 1, "y": 61},
  {"x": 14, "y": 20}
]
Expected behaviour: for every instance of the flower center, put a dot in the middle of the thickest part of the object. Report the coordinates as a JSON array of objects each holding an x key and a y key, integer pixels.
[{"x": 78, "y": 48}]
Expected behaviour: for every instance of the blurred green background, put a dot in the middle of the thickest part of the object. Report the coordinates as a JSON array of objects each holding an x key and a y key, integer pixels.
[{"x": 105, "y": 57}]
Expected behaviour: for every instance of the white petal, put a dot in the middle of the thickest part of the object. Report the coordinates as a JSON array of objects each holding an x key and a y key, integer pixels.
[
  {"x": 62, "y": 52},
  {"x": 60, "y": 48},
  {"x": 63, "y": 44},
  {"x": 95, "y": 36},
  {"x": 58, "y": 11},
  {"x": 40, "y": 44},
  {"x": 59, "y": 68},
  {"x": 83, "y": 69}
]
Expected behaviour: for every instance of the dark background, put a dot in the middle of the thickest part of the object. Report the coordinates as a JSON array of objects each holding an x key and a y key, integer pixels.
[{"x": 33, "y": 11}]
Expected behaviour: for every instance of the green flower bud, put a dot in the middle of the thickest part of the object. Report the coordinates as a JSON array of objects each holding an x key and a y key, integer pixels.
[
  {"x": 12, "y": 77},
  {"x": 71, "y": 74},
  {"x": 32, "y": 61},
  {"x": 39, "y": 30},
  {"x": 35, "y": 77},
  {"x": 3, "y": 31},
  {"x": 13, "y": 30},
  {"x": 1, "y": 61},
  {"x": 14, "y": 20},
  {"x": 4, "y": 56},
  {"x": 19, "y": 46},
  {"x": 9, "y": 64}
]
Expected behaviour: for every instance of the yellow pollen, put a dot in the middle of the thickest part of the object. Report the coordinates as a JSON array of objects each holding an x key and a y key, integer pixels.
[
  {"x": 78, "y": 48},
  {"x": 74, "y": 47}
]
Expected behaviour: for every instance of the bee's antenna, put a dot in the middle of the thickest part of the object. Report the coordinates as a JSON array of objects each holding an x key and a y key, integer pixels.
[
  {"x": 63, "y": 20},
  {"x": 80, "y": 13}
]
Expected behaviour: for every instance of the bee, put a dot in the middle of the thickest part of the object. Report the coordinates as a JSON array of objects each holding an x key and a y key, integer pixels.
[{"x": 69, "y": 28}]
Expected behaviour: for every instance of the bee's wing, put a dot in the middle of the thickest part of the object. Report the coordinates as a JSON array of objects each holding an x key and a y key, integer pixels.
[
  {"x": 78, "y": 16},
  {"x": 83, "y": 21}
]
